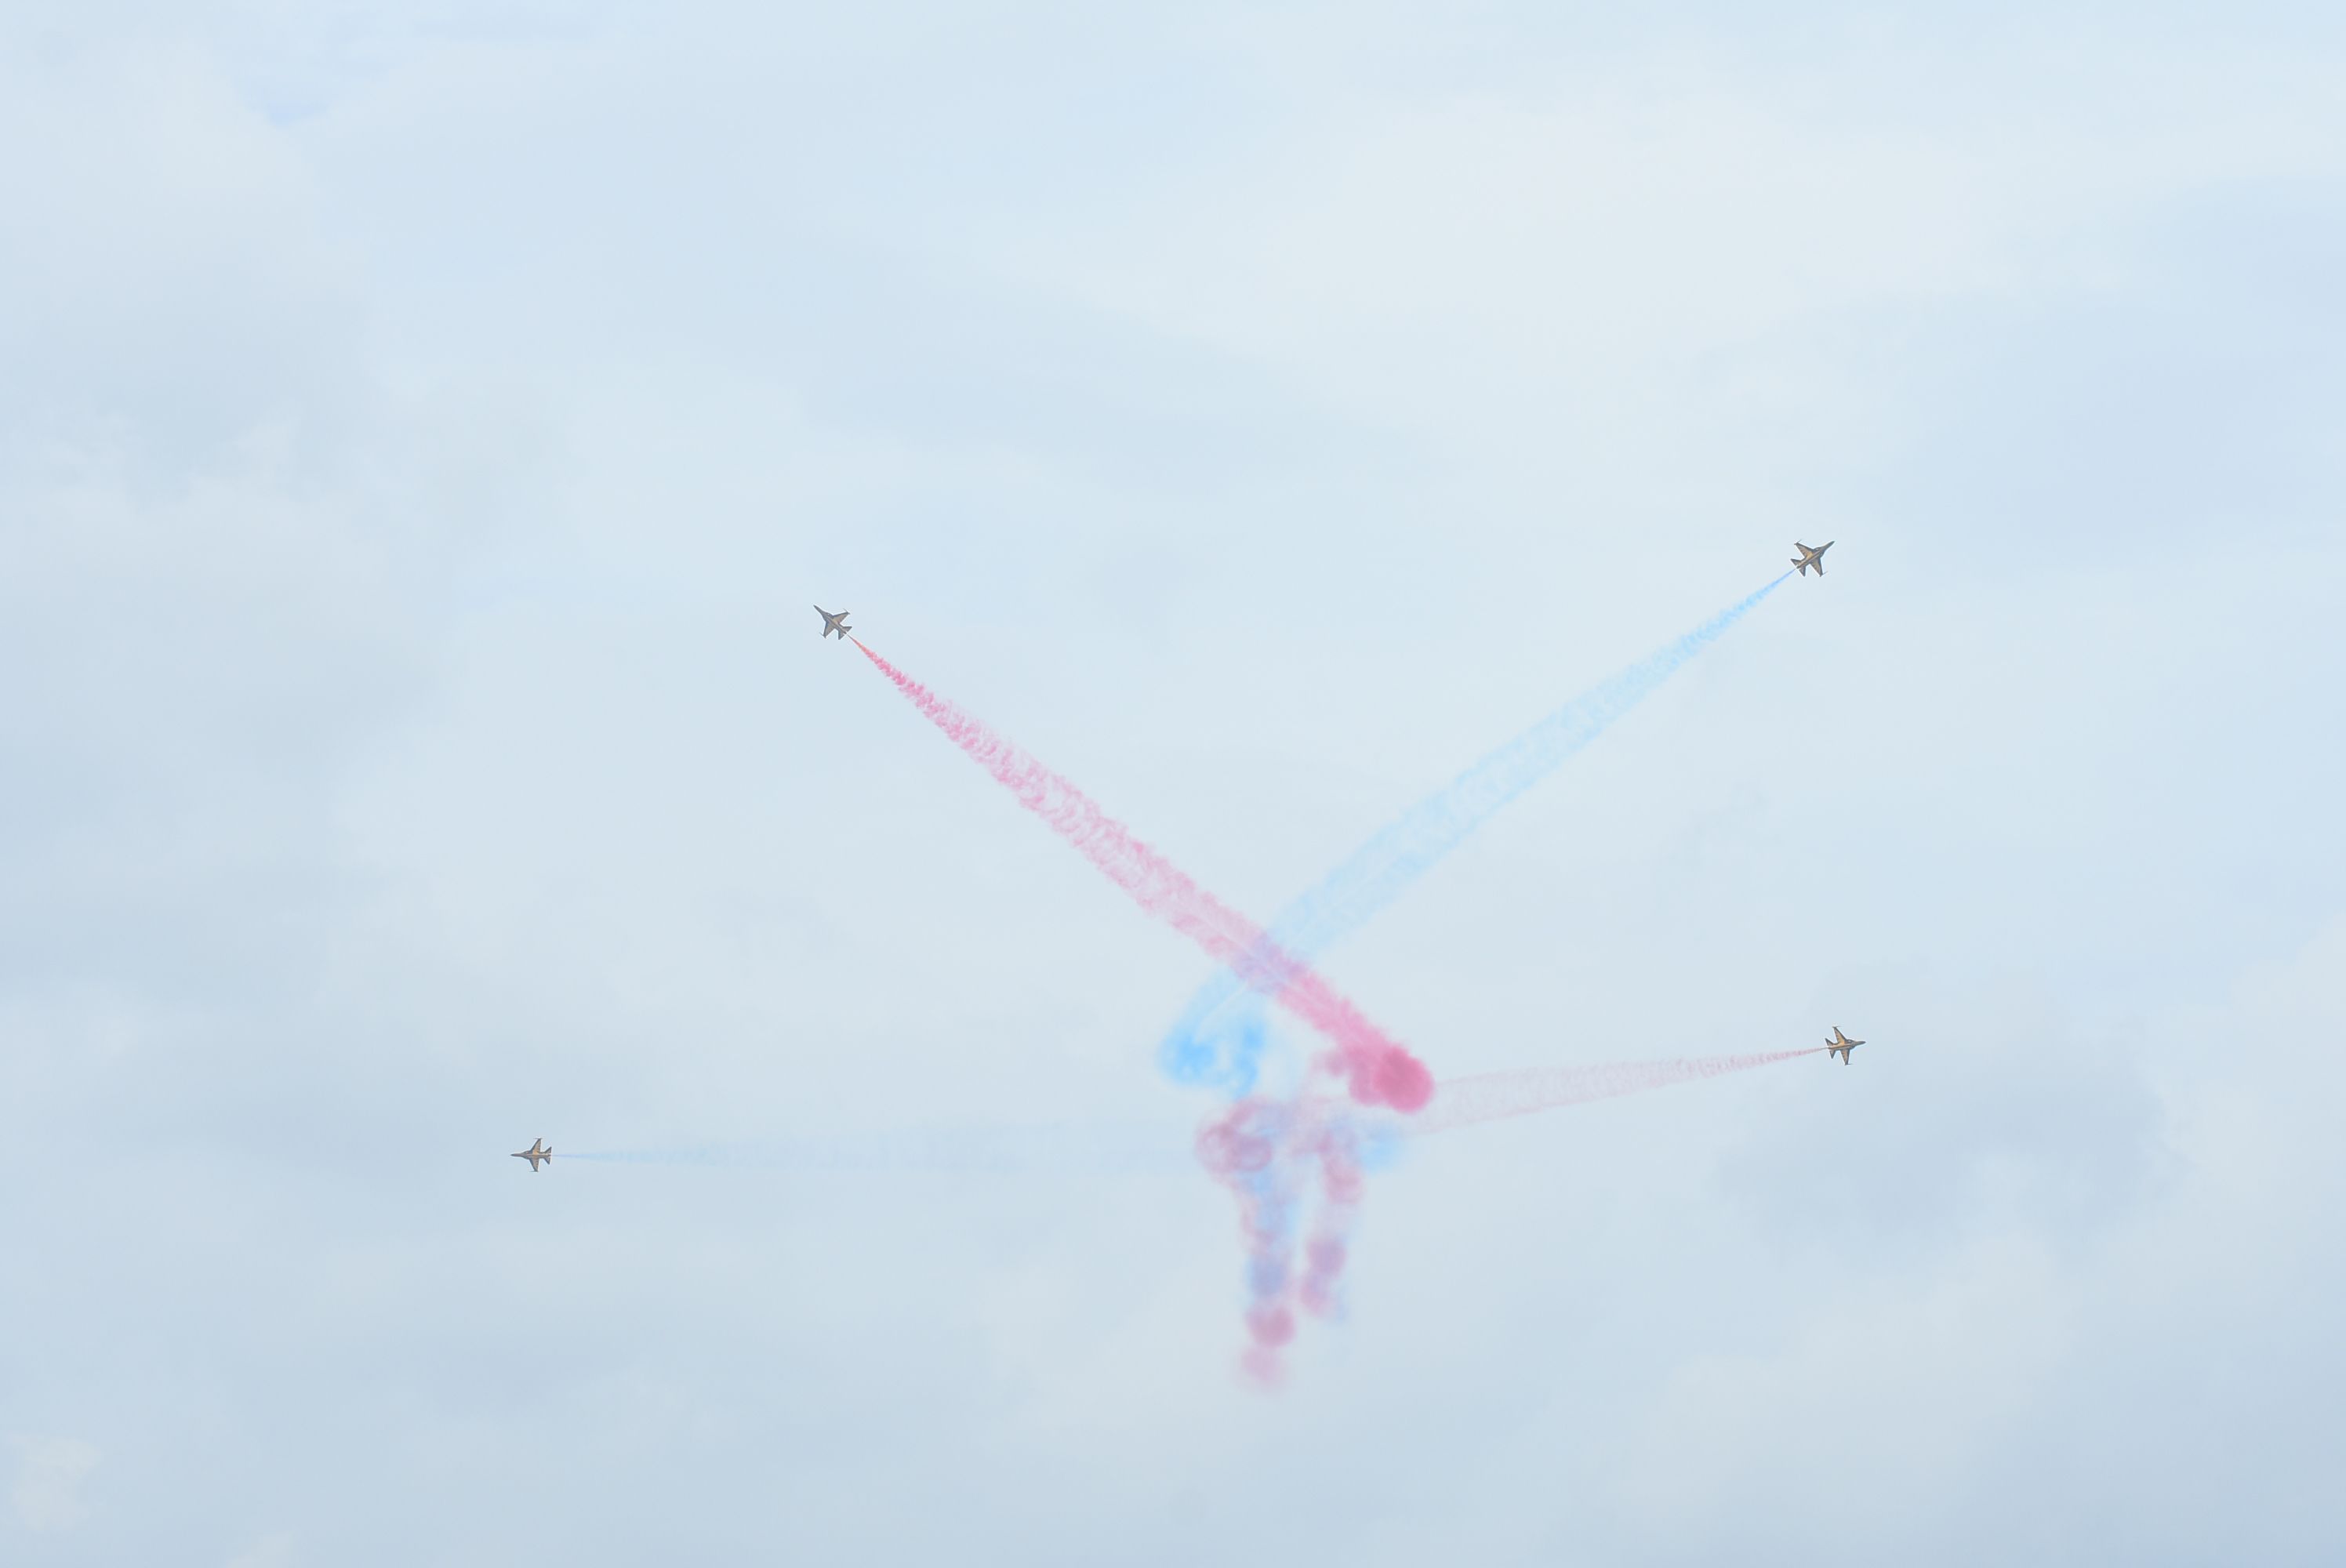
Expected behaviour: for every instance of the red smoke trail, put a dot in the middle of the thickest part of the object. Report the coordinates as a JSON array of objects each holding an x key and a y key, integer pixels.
[
  {"x": 1489, "y": 1097},
  {"x": 1377, "y": 1069}
]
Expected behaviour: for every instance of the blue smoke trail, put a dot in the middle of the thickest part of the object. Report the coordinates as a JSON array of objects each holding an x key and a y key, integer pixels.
[
  {"x": 1222, "y": 1035},
  {"x": 1039, "y": 1149}
]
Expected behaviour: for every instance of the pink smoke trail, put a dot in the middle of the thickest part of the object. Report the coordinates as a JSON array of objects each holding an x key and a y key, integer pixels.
[
  {"x": 1268, "y": 1151},
  {"x": 1491, "y": 1096},
  {"x": 1377, "y": 1069}
]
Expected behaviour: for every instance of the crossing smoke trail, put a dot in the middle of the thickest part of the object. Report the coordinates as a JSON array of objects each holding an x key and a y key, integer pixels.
[
  {"x": 1306, "y": 1156},
  {"x": 1377, "y": 1070},
  {"x": 1273, "y": 1154},
  {"x": 1221, "y": 1036}
]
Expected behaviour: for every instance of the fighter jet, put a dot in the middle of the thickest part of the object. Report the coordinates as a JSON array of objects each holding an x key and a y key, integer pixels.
[
  {"x": 837, "y": 623},
  {"x": 535, "y": 1152},
  {"x": 1841, "y": 1045},
  {"x": 1808, "y": 557}
]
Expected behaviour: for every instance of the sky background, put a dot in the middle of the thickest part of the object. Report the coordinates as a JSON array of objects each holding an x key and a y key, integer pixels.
[{"x": 424, "y": 427}]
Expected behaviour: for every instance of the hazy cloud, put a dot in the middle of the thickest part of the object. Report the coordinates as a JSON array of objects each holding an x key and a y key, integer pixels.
[
  {"x": 46, "y": 1490},
  {"x": 272, "y": 1551},
  {"x": 423, "y": 430}
]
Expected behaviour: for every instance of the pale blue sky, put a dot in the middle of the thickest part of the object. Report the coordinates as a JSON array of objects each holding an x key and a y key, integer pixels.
[{"x": 424, "y": 427}]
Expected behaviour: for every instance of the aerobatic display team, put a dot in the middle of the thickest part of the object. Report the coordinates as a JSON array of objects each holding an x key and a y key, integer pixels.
[{"x": 1296, "y": 1157}]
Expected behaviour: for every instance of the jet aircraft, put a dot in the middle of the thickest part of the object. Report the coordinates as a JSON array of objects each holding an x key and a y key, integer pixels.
[
  {"x": 1808, "y": 557},
  {"x": 1841, "y": 1045},
  {"x": 535, "y": 1152},
  {"x": 837, "y": 623}
]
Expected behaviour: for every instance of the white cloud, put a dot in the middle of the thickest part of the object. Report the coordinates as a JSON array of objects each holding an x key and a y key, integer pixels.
[{"x": 46, "y": 1492}]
